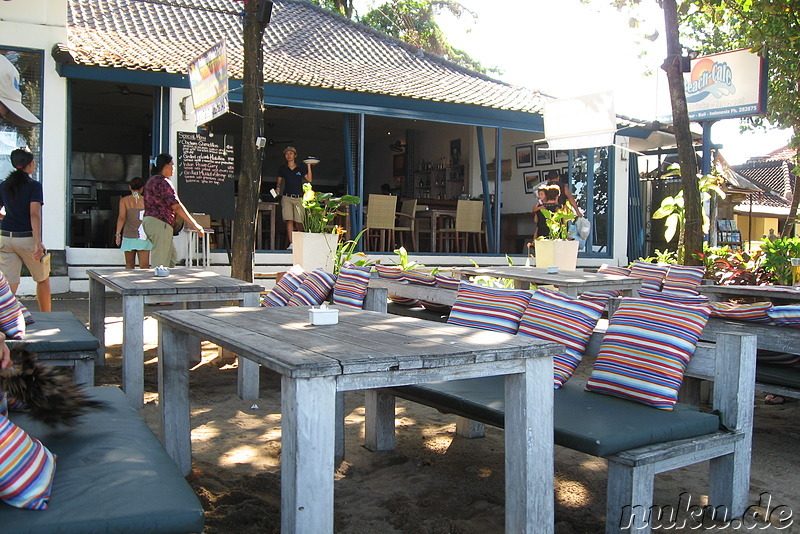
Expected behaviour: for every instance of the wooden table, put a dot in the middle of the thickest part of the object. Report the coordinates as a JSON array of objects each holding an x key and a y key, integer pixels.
[
  {"x": 569, "y": 282},
  {"x": 434, "y": 215},
  {"x": 762, "y": 293},
  {"x": 270, "y": 209},
  {"x": 139, "y": 287},
  {"x": 365, "y": 350}
]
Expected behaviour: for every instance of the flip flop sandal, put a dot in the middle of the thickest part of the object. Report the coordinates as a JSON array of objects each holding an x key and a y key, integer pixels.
[{"x": 774, "y": 400}]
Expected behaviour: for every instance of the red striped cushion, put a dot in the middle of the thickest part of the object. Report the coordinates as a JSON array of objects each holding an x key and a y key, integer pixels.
[
  {"x": 489, "y": 308},
  {"x": 683, "y": 278},
  {"x": 681, "y": 298},
  {"x": 392, "y": 272},
  {"x": 788, "y": 315},
  {"x": 351, "y": 285},
  {"x": 612, "y": 269},
  {"x": 418, "y": 277},
  {"x": 26, "y": 468},
  {"x": 314, "y": 290},
  {"x": 600, "y": 295},
  {"x": 285, "y": 288},
  {"x": 12, "y": 319},
  {"x": 556, "y": 317},
  {"x": 645, "y": 350},
  {"x": 756, "y": 311},
  {"x": 447, "y": 282},
  {"x": 652, "y": 274},
  {"x": 778, "y": 358}
]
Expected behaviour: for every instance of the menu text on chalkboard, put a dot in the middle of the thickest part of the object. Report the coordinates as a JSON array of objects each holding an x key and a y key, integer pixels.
[{"x": 206, "y": 174}]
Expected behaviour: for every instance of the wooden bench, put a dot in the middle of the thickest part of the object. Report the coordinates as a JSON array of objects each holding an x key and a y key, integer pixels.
[{"x": 112, "y": 475}]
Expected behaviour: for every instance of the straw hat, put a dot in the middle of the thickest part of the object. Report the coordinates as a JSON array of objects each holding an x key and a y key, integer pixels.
[{"x": 10, "y": 96}]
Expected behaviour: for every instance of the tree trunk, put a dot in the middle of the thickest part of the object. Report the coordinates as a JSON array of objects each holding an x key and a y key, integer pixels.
[
  {"x": 687, "y": 159},
  {"x": 243, "y": 246}
]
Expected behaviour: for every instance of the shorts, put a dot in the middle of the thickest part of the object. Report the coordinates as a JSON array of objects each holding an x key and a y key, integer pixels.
[
  {"x": 14, "y": 251},
  {"x": 130, "y": 244},
  {"x": 292, "y": 209}
]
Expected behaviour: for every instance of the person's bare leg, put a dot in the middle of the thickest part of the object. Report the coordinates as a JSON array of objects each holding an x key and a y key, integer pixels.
[
  {"x": 289, "y": 230},
  {"x": 144, "y": 259},
  {"x": 130, "y": 259},
  {"x": 43, "y": 295}
]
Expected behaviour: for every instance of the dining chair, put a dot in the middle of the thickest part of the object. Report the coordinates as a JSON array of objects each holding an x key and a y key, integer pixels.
[
  {"x": 380, "y": 222},
  {"x": 199, "y": 249},
  {"x": 406, "y": 223},
  {"x": 468, "y": 224}
]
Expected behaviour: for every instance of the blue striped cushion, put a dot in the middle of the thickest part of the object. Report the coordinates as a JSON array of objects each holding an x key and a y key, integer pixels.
[
  {"x": 403, "y": 301},
  {"x": 652, "y": 274},
  {"x": 285, "y": 288},
  {"x": 755, "y": 311},
  {"x": 785, "y": 315},
  {"x": 683, "y": 278},
  {"x": 314, "y": 289},
  {"x": 391, "y": 272},
  {"x": 434, "y": 307},
  {"x": 351, "y": 285},
  {"x": 418, "y": 277},
  {"x": 680, "y": 298},
  {"x": 645, "y": 350},
  {"x": 447, "y": 282},
  {"x": 600, "y": 295},
  {"x": 556, "y": 317},
  {"x": 12, "y": 320},
  {"x": 778, "y": 358},
  {"x": 489, "y": 308},
  {"x": 612, "y": 269},
  {"x": 26, "y": 468}
]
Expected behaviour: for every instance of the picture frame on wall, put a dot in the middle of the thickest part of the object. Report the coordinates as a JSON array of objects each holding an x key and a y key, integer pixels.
[
  {"x": 564, "y": 171},
  {"x": 542, "y": 156},
  {"x": 524, "y": 156},
  {"x": 531, "y": 179},
  {"x": 560, "y": 156}
]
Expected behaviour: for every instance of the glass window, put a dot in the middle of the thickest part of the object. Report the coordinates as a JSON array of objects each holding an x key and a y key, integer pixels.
[
  {"x": 29, "y": 64},
  {"x": 589, "y": 182}
]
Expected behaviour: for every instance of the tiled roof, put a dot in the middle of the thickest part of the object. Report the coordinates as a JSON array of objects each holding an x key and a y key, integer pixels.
[
  {"x": 774, "y": 177},
  {"x": 784, "y": 153},
  {"x": 304, "y": 45}
]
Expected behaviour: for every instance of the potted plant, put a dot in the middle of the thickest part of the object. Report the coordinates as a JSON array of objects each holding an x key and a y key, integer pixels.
[
  {"x": 316, "y": 246},
  {"x": 557, "y": 249}
]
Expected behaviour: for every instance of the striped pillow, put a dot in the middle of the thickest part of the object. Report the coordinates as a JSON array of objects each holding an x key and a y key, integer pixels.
[
  {"x": 447, "y": 282},
  {"x": 435, "y": 307},
  {"x": 489, "y": 308},
  {"x": 391, "y": 272},
  {"x": 418, "y": 277},
  {"x": 314, "y": 289},
  {"x": 26, "y": 468},
  {"x": 611, "y": 269},
  {"x": 12, "y": 319},
  {"x": 785, "y": 315},
  {"x": 285, "y": 288},
  {"x": 680, "y": 298},
  {"x": 645, "y": 351},
  {"x": 684, "y": 278},
  {"x": 778, "y": 358},
  {"x": 756, "y": 311},
  {"x": 652, "y": 274},
  {"x": 351, "y": 285},
  {"x": 556, "y": 317},
  {"x": 600, "y": 295}
]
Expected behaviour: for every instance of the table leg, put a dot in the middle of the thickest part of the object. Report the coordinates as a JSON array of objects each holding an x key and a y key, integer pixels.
[
  {"x": 569, "y": 291},
  {"x": 434, "y": 224},
  {"x": 173, "y": 396},
  {"x": 259, "y": 235},
  {"x": 97, "y": 317},
  {"x": 247, "y": 370},
  {"x": 529, "y": 448},
  {"x": 133, "y": 349},
  {"x": 379, "y": 414},
  {"x": 308, "y": 412},
  {"x": 272, "y": 227},
  {"x": 196, "y": 356}
]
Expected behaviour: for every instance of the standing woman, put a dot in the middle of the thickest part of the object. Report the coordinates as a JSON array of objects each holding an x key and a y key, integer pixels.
[
  {"x": 161, "y": 206},
  {"x": 130, "y": 236},
  {"x": 291, "y": 177},
  {"x": 21, "y": 228}
]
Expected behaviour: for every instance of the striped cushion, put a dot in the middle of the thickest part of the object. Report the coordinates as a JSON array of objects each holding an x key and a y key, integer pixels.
[
  {"x": 600, "y": 295},
  {"x": 785, "y": 315},
  {"x": 26, "y": 468},
  {"x": 778, "y": 358},
  {"x": 314, "y": 289},
  {"x": 652, "y": 274},
  {"x": 756, "y": 311},
  {"x": 351, "y": 285},
  {"x": 683, "y": 278},
  {"x": 447, "y": 282},
  {"x": 434, "y": 307},
  {"x": 556, "y": 317},
  {"x": 12, "y": 319},
  {"x": 612, "y": 269},
  {"x": 418, "y": 277},
  {"x": 645, "y": 351},
  {"x": 403, "y": 301},
  {"x": 489, "y": 308},
  {"x": 391, "y": 272},
  {"x": 681, "y": 298},
  {"x": 285, "y": 288}
]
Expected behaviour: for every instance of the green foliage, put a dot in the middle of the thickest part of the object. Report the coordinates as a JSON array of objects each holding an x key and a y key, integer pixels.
[
  {"x": 734, "y": 267},
  {"x": 346, "y": 251},
  {"x": 776, "y": 258},
  {"x": 662, "y": 256},
  {"x": 322, "y": 208},
  {"x": 557, "y": 222}
]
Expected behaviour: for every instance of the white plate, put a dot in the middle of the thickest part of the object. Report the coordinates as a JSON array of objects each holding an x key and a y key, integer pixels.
[{"x": 309, "y": 161}]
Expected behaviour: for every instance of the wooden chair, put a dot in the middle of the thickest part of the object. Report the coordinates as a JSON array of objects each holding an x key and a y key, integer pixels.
[
  {"x": 468, "y": 223},
  {"x": 380, "y": 222},
  {"x": 407, "y": 222}
]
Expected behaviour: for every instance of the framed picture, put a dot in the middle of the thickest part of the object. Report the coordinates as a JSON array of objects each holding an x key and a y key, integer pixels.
[
  {"x": 565, "y": 172},
  {"x": 505, "y": 170},
  {"x": 455, "y": 152},
  {"x": 532, "y": 179},
  {"x": 543, "y": 157},
  {"x": 560, "y": 156},
  {"x": 524, "y": 156}
]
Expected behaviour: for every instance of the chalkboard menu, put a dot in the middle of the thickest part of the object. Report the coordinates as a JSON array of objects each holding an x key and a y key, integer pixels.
[{"x": 205, "y": 174}]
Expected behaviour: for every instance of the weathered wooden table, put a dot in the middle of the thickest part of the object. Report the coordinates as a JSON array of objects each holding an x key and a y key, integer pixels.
[
  {"x": 365, "y": 350},
  {"x": 569, "y": 282},
  {"x": 139, "y": 287},
  {"x": 761, "y": 293}
]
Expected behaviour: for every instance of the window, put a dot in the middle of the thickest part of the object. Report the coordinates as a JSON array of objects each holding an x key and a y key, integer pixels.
[
  {"x": 30, "y": 65},
  {"x": 590, "y": 185}
]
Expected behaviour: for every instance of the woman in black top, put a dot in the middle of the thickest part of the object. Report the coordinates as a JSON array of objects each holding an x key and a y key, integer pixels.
[{"x": 291, "y": 177}]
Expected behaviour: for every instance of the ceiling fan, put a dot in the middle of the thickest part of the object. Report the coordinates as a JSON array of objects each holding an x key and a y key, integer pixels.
[{"x": 124, "y": 90}]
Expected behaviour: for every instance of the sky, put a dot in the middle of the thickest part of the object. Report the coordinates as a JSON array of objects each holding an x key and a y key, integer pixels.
[{"x": 565, "y": 48}]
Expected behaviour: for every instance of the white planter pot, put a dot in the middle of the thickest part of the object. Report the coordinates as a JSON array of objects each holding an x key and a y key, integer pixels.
[
  {"x": 312, "y": 251},
  {"x": 563, "y": 254}
]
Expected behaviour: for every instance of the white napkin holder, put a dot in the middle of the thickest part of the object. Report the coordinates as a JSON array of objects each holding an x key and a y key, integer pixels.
[
  {"x": 552, "y": 269},
  {"x": 323, "y": 315},
  {"x": 161, "y": 271}
]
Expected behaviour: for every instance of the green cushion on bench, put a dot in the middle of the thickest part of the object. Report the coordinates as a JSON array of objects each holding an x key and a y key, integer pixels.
[
  {"x": 112, "y": 475},
  {"x": 584, "y": 421},
  {"x": 780, "y": 375},
  {"x": 57, "y": 332}
]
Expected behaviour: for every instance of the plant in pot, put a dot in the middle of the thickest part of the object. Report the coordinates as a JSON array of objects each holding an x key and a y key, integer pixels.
[
  {"x": 557, "y": 249},
  {"x": 317, "y": 245}
]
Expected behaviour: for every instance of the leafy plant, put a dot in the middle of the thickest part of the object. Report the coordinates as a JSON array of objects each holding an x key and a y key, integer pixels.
[
  {"x": 322, "y": 208},
  {"x": 346, "y": 251},
  {"x": 776, "y": 258},
  {"x": 733, "y": 267},
  {"x": 557, "y": 222},
  {"x": 662, "y": 256}
]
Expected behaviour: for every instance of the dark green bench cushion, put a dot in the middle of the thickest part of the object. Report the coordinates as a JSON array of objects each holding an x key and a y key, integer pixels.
[
  {"x": 780, "y": 375},
  {"x": 57, "y": 332},
  {"x": 584, "y": 421},
  {"x": 112, "y": 475}
]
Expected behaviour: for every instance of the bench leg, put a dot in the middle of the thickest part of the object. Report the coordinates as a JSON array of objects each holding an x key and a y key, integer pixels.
[
  {"x": 196, "y": 356},
  {"x": 173, "y": 396},
  {"x": 133, "y": 349},
  {"x": 629, "y": 498},
  {"x": 97, "y": 317},
  {"x": 248, "y": 371},
  {"x": 379, "y": 411},
  {"x": 375, "y": 299},
  {"x": 729, "y": 480},
  {"x": 467, "y": 428},
  {"x": 338, "y": 455},
  {"x": 83, "y": 372}
]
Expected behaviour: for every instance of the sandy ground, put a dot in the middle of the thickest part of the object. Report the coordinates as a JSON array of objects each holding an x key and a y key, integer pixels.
[{"x": 434, "y": 482}]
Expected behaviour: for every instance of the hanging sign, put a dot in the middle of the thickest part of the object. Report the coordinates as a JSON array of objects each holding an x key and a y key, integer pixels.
[{"x": 208, "y": 79}]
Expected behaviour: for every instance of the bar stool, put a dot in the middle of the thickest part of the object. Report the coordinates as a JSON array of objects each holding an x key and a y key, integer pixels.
[{"x": 198, "y": 252}]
